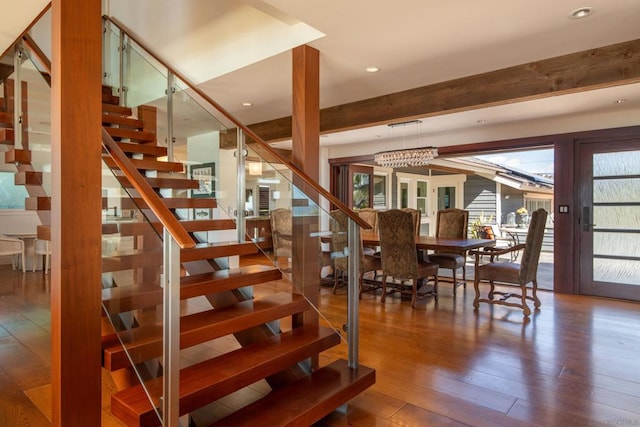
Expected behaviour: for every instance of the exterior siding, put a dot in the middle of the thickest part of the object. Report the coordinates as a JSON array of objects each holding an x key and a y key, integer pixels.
[{"x": 480, "y": 198}]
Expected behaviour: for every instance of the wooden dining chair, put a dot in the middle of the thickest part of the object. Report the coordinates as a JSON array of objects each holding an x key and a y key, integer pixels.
[
  {"x": 452, "y": 224},
  {"x": 400, "y": 259},
  {"x": 510, "y": 273},
  {"x": 339, "y": 245}
]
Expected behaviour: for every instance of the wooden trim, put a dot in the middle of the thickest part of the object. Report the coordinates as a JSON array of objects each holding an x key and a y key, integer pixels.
[
  {"x": 146, "y": 192},
  {"x": 248, "y": 132},
  {"x": 33, "y": 47},
  {"x": 607, "y": 66}
]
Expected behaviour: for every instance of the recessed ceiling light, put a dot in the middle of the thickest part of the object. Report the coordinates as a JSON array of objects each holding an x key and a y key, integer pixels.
[
  {"x": 247, "y": 104},
  {"x": 582, "y": 12},
  {"x": 481, "y": 121},
  {"x": 620, "y": 101},
  {"x": 372, "y": 69}
]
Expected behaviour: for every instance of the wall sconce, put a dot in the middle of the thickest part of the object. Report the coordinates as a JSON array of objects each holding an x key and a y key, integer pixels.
[
  {"x": 275, "y": 195},
  {"x": 255, "y": 168}
]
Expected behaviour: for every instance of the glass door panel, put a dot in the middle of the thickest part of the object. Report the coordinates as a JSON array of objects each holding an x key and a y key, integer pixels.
[{"x": 610, "y": 220}]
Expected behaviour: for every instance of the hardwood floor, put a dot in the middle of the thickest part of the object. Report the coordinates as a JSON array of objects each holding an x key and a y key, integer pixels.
[{"x": 576, "y": 362}]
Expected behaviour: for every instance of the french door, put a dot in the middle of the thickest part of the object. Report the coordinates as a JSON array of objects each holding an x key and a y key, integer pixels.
[{"x": 609, "y": 211}]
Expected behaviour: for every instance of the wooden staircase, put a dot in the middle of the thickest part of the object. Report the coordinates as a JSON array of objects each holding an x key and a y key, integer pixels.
[{"x": 132, "y": 298}]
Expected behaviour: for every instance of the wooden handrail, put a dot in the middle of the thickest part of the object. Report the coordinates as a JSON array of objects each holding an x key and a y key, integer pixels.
[
  {"x": 26, "y": 30},
  {"x": 298, "y": 172},
  {"x": 150, "y": 197},
  {"x": 33, "y": 47}
]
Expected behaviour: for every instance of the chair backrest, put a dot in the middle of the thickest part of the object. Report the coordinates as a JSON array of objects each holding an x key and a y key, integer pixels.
[
  {"x": 281, "y": 223},
  {"x": 398, "y": 244},
  {"x": 9, "y": 246},
  {"x": 370, "y": 216},
  {"x": 340, "y": 240},
  {"x": 452, "y": 224},
  {"x": 533, "y": 245},
  {"x": 415, "y": 216}
]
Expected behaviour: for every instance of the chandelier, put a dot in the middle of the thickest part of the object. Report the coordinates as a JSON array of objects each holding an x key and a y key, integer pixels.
[{"x": 406, "y": 158}]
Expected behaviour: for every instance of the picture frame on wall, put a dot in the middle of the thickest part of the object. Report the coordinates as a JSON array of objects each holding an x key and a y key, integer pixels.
[{"x": 205, "y": 174}]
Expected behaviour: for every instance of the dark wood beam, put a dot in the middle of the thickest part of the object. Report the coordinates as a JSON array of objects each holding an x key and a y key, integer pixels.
[
  {"x": 607, "y": 66},
  {"x": 76, "y": 222}
]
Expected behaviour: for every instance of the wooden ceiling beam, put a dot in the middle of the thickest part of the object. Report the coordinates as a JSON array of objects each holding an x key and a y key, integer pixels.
[{"x": 602, "y": 67}]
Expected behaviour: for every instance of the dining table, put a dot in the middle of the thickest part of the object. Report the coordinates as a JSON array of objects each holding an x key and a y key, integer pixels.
[{"x": 434, "y": 243}]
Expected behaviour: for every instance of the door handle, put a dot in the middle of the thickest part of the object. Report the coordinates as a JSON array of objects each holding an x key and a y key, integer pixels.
[{"x": 586, "y": 225}]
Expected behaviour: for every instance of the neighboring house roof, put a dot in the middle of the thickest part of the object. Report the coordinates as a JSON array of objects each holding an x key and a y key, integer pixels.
[{"x": 506, "y": 175}]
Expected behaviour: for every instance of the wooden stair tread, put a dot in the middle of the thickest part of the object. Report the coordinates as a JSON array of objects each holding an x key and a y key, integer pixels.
[
  {"x": 169, "y": 202},
  {"x": 6, "y": 118},
  {"x": 140, "y": 228},
  {"x": 147, "y": 149},
  {"x": 116, "y": 109},
  {"x": 212, "y": 379},
  {"x": 18, "y": 156},
  {"x": 127, "y": 298},
  {"x": 39, "y": 203},
  {"x": 217, "y": 250},
  {"x": 129, "y": 259},
  {"x": 162, "y": 182},
  {"x": 145, "y": 342},
  {"x": 147, "y": 164},
  {"x": 129, "y": 122},
  {"x": 131, "y": 134},
  {"x": 307, "y": 400},
  {"x": 28, "y": 178},
  {"x": 7, "y": 136}
]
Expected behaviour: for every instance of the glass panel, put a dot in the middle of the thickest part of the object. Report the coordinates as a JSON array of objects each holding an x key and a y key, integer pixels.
[
  {"x": 617, "y": 217},
  {"x": 422, "y": 206},
  {"x": 145, "y": 79},
  {"x": 616, "y": 164},
  {"x": 616, "y": 190},
  {"x": 616, "y": 271},
  {"x": 111, "y": 58},
  {"x": 446, "y": 197},
  {"x": 361, "y": 189},
  {"x": 37, "y": 123},
  {"x": 132, "y": 263},
  {"x": 421, "y": 189},
  {"x": 616, "y": 244}
]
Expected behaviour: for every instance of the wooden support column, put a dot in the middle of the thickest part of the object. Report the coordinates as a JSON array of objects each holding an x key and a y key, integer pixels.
[
  {"x": 76, "y": 212},
  {"x": 306, "y": 151}
]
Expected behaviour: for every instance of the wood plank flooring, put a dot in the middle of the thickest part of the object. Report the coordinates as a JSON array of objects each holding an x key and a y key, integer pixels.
[{"x": 576, "y": 362}]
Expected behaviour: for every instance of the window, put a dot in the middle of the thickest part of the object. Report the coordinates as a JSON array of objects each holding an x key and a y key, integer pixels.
[
  {"x": 380, "y": 191},
  {"x": 11, "y": 196},
  {"x": 421, "y": 196}
]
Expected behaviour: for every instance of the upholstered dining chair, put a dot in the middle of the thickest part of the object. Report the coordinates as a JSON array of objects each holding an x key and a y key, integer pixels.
[
  {"x": 400, "y": 258},
  {"x": 15, "y": 248},
  {"x": 452, "y": 224},
  {"x": 282, "y": 233},
  {"x": 339, "y": 242},
  {"x": 510, "y": 273}
]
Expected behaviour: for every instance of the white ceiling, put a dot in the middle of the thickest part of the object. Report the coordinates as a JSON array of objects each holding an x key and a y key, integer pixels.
[{"x": 413, "y": 42}]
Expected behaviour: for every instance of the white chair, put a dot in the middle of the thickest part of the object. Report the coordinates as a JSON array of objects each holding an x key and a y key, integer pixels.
[
  {"x": 13, "y": 247},
  {"x": 43, "y": 248}
]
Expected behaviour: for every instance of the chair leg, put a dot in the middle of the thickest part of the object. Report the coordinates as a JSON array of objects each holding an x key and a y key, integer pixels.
[
  {"x": 435, "y": 288},
  {"x": 534, "y": 292},
  {"x": 464, "y": 276},
  {"x": 525, "y": 308},
  {"x": 414, "y": 292},
  {"x": 476, "y": 288},
  {"x": 492, "y": 287},
  {"x": 384, "y": 288}
]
